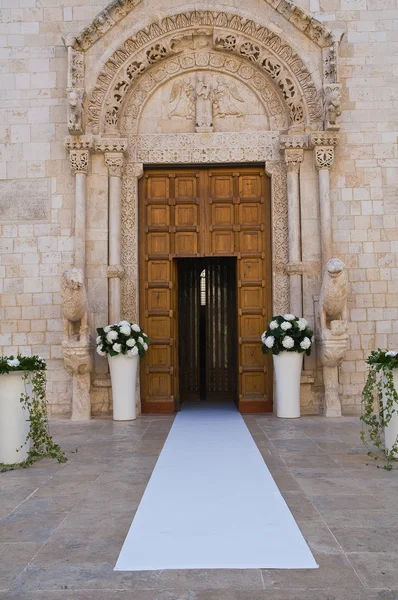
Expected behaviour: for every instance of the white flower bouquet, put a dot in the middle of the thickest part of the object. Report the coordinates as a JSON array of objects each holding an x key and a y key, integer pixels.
[
  {"x": 122, "y": 338},
  {"x": 287, "y": 333}
]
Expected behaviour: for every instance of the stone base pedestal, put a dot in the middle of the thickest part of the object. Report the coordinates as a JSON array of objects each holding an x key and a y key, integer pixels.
[
  {"x": 78, "y": 362},
  {"x": 332, "y": 344}
]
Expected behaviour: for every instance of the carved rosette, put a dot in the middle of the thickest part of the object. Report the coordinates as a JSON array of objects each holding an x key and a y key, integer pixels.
[
  {"x": 114, "y": 162},
  {"x": 324, "y": 157},
  {"x": 115, "y": 271}
]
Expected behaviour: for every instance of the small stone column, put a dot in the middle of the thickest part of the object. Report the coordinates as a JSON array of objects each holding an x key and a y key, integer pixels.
[
  {"x": 76, "y": 344},
  {"x": 324, "y": 143},
  {"x": 114, "y": 149},
  {"x": 114, "y": 162},
  {"x": 293, "y": 159}
]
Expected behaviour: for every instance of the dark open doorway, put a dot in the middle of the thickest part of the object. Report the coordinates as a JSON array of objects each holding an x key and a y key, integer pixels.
[{"x": 207, "y": 325}]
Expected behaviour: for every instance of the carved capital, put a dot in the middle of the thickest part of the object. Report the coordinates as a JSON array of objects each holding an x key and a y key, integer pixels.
[
  {"x": 115, "y": 271},
  {"x": 137, "y": 170},
  {"x": 114, "y": 162},
  {"x": 111, "y": 145},
  {"x": 293, "y": 159},
  {"x": 79, "y": 161},
  {"x": 293, "y": 141},
  {"x": 77, "y": 358},
  {"x": 332, "y": 347},
  {"x": 78, "y": 142},
  {"x": 324, "y": 157}
]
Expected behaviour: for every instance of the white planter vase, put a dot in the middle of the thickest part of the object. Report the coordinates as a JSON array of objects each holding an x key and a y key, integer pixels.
[
  {"x": 391, "y": 431},
  {"x": 288, "y": 366},
  {"x": 124, "y": 377},
  {"x": 14, "y": 424}
]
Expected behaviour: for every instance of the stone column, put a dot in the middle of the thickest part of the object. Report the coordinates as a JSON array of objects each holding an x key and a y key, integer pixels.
[
  {"x": 114, "y": 162},
  {"x": 76, "y": 344},
  {"x": 324, "y": 143},
  {"x": 293, "y": 159},
  {"x": 114, "y": 149}
]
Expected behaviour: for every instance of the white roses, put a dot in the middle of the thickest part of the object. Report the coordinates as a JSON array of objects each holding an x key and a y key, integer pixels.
[
  {"x": 286, "y": 325},
  {"x": 289, "y": 317},
  {"x": 13, "y": 362},
  {"x": 305, "y": 344},
  {"x": 269, "y": 341},
  {"x": 288, "y": 342},
  {"x": 125, "y": 329},
  {"x": 274, "y": 325},
  {"x": 122, "y": 338},
  {"x": 112, "y": 335},
  {"x": 302, "y": 324}
]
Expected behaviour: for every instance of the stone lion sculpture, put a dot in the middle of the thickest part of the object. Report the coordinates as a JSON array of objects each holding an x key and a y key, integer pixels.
[
  {"x": 333, "y": 297},
  {"x": 74, "y": 306}
]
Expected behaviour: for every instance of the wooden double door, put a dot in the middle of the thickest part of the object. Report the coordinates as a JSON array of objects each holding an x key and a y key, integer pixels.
[{"x": 213, "y": 223}]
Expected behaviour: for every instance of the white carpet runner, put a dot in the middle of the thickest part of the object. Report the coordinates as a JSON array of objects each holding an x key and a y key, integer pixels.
[{"x": 212, "y": 503}]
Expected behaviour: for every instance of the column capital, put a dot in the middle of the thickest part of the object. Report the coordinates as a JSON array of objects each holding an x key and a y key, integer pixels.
[
  {"x": 293, "y": 159},
  {"x": 115, "y": 144},
  {"x": 135, "y": 169},
  {"x": 324, "y": 157},
  {"x": 79, "y": 161},
  {"x": 114, "y": 161}
]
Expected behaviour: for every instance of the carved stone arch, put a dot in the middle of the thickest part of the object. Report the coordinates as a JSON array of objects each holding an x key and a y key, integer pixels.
[
  {"x": 187, "y": 63},
  {"x": 260, "y": 47}
]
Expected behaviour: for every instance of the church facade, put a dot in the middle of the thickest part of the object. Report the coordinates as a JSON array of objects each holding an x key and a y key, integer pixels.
[{"x": 156, "y": 157}]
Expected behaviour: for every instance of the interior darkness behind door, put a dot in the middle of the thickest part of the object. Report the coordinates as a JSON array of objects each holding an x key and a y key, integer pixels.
[{"x": 207, "y": 324}]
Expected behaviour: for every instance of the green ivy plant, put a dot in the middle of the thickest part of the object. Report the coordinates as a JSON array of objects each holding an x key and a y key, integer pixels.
[
  {"x": 379, "y": 404},
  {"x": 41, "y": 443}
]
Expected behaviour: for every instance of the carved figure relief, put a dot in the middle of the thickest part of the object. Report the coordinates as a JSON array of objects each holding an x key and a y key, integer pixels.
[
  {"x": 227, "y": 100},
  {"x": 182, "y": 99},
  {"x": 332, "y": 105},
  {"x": 204, "y": 104},
  {"x": 75, "y": 103},
  {"x": 333, "y": 296},
  {"x": 74, "y": 307}
]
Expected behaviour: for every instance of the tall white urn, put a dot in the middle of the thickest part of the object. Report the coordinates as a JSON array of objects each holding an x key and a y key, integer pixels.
[
  {"x": 391, "y": 431},
  {"x": 123, "y": 370},
  {"x": 14, "y": 424},
  {"x": 288, "y": 366}
]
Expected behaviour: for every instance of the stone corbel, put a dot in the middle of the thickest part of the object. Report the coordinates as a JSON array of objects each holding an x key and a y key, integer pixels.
[{"x": 115, "y": 271}]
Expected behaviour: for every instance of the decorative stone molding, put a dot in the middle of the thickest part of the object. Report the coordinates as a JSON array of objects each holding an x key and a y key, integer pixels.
[
  {"x": 118, "y": 9},
  {"x": 114, "y": 162},
  {"x": 293, "y": 158},
  {"x": 115, "y": 271},
  {"x": 324, "y": 138},
  {"x": 258, "y": 46},
  {"x": 295, "y": 268},
  {"x": 293, "y": 141},
  {"x": 77, "y": 358},
  {"x": 81, "y": 142},
  {"x": 110, "y": 144},
  {"x": 204, "y": 148},
  {"x": 79, "y": 161}
]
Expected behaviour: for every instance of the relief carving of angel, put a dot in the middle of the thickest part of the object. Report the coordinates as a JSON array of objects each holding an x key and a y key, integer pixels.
[
  {"x": 227, "y": 99},
  {"x": 182, "y": 99}
]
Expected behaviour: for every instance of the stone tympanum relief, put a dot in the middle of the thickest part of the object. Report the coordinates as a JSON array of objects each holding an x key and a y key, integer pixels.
[{"x": 202, "y": 102}]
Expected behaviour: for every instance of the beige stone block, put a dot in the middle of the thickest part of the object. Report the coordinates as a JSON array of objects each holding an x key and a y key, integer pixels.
[
  {"x": 32, "y": 284},
  {"x": 42, "y": 299},
  {"x": 8, "y": 326},
  {"x": 23, "y": 300}
]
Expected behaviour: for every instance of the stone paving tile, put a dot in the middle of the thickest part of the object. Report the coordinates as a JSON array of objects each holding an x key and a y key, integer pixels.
[
  {"x": 14, "y": 558},
  {"x": 78, "y": 516}
]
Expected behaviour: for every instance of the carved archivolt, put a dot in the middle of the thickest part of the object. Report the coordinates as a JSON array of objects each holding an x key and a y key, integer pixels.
[{"x": 220, "y": 33}]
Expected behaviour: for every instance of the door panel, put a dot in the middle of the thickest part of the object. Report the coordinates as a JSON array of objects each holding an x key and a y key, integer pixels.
[{"x": 205, "y": 212}]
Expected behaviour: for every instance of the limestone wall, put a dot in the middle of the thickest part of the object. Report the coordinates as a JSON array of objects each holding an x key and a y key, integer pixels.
[{"x": 37, "y": 195}]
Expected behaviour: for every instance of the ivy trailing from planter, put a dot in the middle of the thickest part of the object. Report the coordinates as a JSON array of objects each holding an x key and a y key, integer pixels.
[
  {"x": 379, "y": 404},
  {"x": 41, "y": 442}
]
